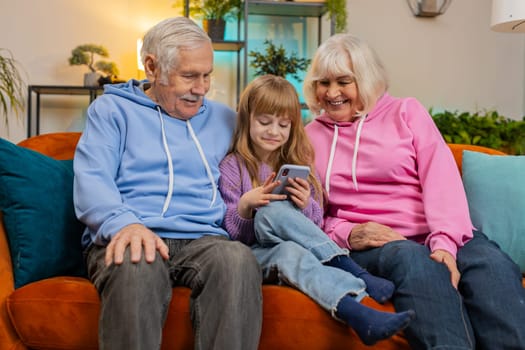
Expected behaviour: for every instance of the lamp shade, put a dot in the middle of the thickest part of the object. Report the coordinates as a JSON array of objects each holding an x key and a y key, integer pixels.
[{"x": 508, "y": 16}]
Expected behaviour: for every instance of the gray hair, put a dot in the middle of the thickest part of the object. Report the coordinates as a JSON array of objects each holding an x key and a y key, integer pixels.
[
  {"x": 167, "y": 38},
  {"x": 346, "y": 55}
]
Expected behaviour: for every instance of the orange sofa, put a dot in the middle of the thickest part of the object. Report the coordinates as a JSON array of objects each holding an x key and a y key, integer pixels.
[{"x": 62, "y": 312}]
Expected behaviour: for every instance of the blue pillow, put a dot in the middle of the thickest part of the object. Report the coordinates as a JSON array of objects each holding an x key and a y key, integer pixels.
[
  {"x": 36, "y": 200},
  {"x": 495, "y": 187}
]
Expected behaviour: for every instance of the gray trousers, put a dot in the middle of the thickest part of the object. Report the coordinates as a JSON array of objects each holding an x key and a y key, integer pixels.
[{"x": 226, "y": 298}]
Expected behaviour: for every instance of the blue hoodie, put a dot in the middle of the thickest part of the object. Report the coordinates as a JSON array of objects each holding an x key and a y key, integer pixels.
[{"x": 136, "y": 164}]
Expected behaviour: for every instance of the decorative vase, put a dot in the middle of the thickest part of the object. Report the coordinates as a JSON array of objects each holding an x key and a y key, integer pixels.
[
  {"x": 91, "y": 79},
  {"x": 214, "y": 28}
]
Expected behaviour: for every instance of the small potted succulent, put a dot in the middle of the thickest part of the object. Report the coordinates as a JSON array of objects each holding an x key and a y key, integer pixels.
[
  {"x": 12, "y": 86},
  {"x": 85, "y": 55}
]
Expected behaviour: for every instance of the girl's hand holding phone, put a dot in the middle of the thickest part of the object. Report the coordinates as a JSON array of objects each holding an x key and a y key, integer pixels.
[
  {"x": 299, "y": 191},
  {"x": 291, "y": 181},
  {"x": 259, "y": 196}
]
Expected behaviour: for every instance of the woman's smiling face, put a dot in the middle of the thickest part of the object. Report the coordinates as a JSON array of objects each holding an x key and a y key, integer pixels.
[{"x": 339, "y": 97}]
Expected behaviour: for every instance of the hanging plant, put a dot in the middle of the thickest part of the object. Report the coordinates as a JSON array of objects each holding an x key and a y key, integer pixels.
[{"x": 336, "y": 9}]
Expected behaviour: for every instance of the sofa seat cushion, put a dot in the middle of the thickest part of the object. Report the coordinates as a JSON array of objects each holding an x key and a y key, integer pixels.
[
  {"x": 294, "y": 321},
  {"x": 62, "y": 313}
]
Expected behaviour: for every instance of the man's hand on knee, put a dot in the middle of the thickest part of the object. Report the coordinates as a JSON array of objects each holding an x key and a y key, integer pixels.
[{"x": 138, "y": 237}]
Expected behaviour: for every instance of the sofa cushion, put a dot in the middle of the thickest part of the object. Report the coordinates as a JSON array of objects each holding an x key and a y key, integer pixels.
[
  {"x": 36, "y": 199},
  {"x": 62, "y": 313},
  {"x": 496, "y": 196}
]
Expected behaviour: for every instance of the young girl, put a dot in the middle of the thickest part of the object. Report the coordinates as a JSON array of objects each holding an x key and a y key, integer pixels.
[{"x": 283, "y": 231}]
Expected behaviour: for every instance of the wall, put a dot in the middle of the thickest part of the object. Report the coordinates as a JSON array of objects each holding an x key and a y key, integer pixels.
[
  {"x": 451, "y": 62},
  {"x": 41, "y": 35}
]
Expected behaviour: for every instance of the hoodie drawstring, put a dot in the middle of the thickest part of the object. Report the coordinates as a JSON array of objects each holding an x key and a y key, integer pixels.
[
  {"x": 354, "y": 157},
  {"x": 170, "y": 163},
  {"x": 205, "y": 161},
  {"x": 356, "y": 149},
  {"x": 331, "y": 160}
]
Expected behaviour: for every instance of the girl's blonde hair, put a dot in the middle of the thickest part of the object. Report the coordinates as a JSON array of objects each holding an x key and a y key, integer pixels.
[
  {"x": 274, "y": 95},
  {"x": 346, "y": 55}
]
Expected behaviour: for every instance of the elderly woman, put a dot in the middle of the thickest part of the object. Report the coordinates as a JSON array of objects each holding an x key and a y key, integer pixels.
[{"x": 396, "y": 200}]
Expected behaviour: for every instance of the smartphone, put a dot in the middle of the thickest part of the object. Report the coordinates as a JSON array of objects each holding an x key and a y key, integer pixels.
[{"x": 290, "y": 170}]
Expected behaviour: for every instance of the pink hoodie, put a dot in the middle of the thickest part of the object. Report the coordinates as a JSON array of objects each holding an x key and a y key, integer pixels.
[{"x": 392, "y": 167}]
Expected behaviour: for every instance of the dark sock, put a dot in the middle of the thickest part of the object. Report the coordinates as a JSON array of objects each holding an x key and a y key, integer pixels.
[
  {"x": 371, "y": 325},
  {"x": 378, "y": 288}
]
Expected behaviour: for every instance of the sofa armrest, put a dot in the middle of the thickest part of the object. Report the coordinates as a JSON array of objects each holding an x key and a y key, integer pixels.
[
  {"x": 8, "y": 337},
  {"x": 59, "y": 146}
]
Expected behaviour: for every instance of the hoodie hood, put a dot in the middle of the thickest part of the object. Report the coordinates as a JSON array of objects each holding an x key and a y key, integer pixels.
[{"x": 132, "y": 90}]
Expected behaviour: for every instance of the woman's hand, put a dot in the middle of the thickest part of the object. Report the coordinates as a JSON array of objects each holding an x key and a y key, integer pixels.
[
  {"x": 444, "y": 257},
  {"x": 299, "y": 190},
  {"x": 372, "y": 235},
  {"x": 258, "y": 196}
]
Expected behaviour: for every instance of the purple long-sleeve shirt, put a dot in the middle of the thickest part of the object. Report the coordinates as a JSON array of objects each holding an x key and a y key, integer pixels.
[{"x": 233, "y": 183}]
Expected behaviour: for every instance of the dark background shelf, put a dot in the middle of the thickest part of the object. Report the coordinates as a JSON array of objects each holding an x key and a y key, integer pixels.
[{"x": 286, "y": 8}]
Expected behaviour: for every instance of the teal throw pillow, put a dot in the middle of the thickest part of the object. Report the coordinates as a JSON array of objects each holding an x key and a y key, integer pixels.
[
  {"x": 36, "y": 200},
  {"x": 495, "y": 190}
]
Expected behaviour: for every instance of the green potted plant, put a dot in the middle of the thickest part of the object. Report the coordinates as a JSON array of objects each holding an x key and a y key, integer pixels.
[
  {"x": 275, "y": 60},
  {"x": 214, "y": 14},
  {"x": 336, "y": 9},
  {"x": 85, "y": 55},
  {"x": 487, "y": 129},
  {"x": 12, "y": 86}
]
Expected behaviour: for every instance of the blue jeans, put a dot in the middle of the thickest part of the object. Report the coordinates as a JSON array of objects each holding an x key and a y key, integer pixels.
[
  {"x": 225, "y": 304},
  {"x": 487, "y": 312},
  {"x": 292, "y": 247}
]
